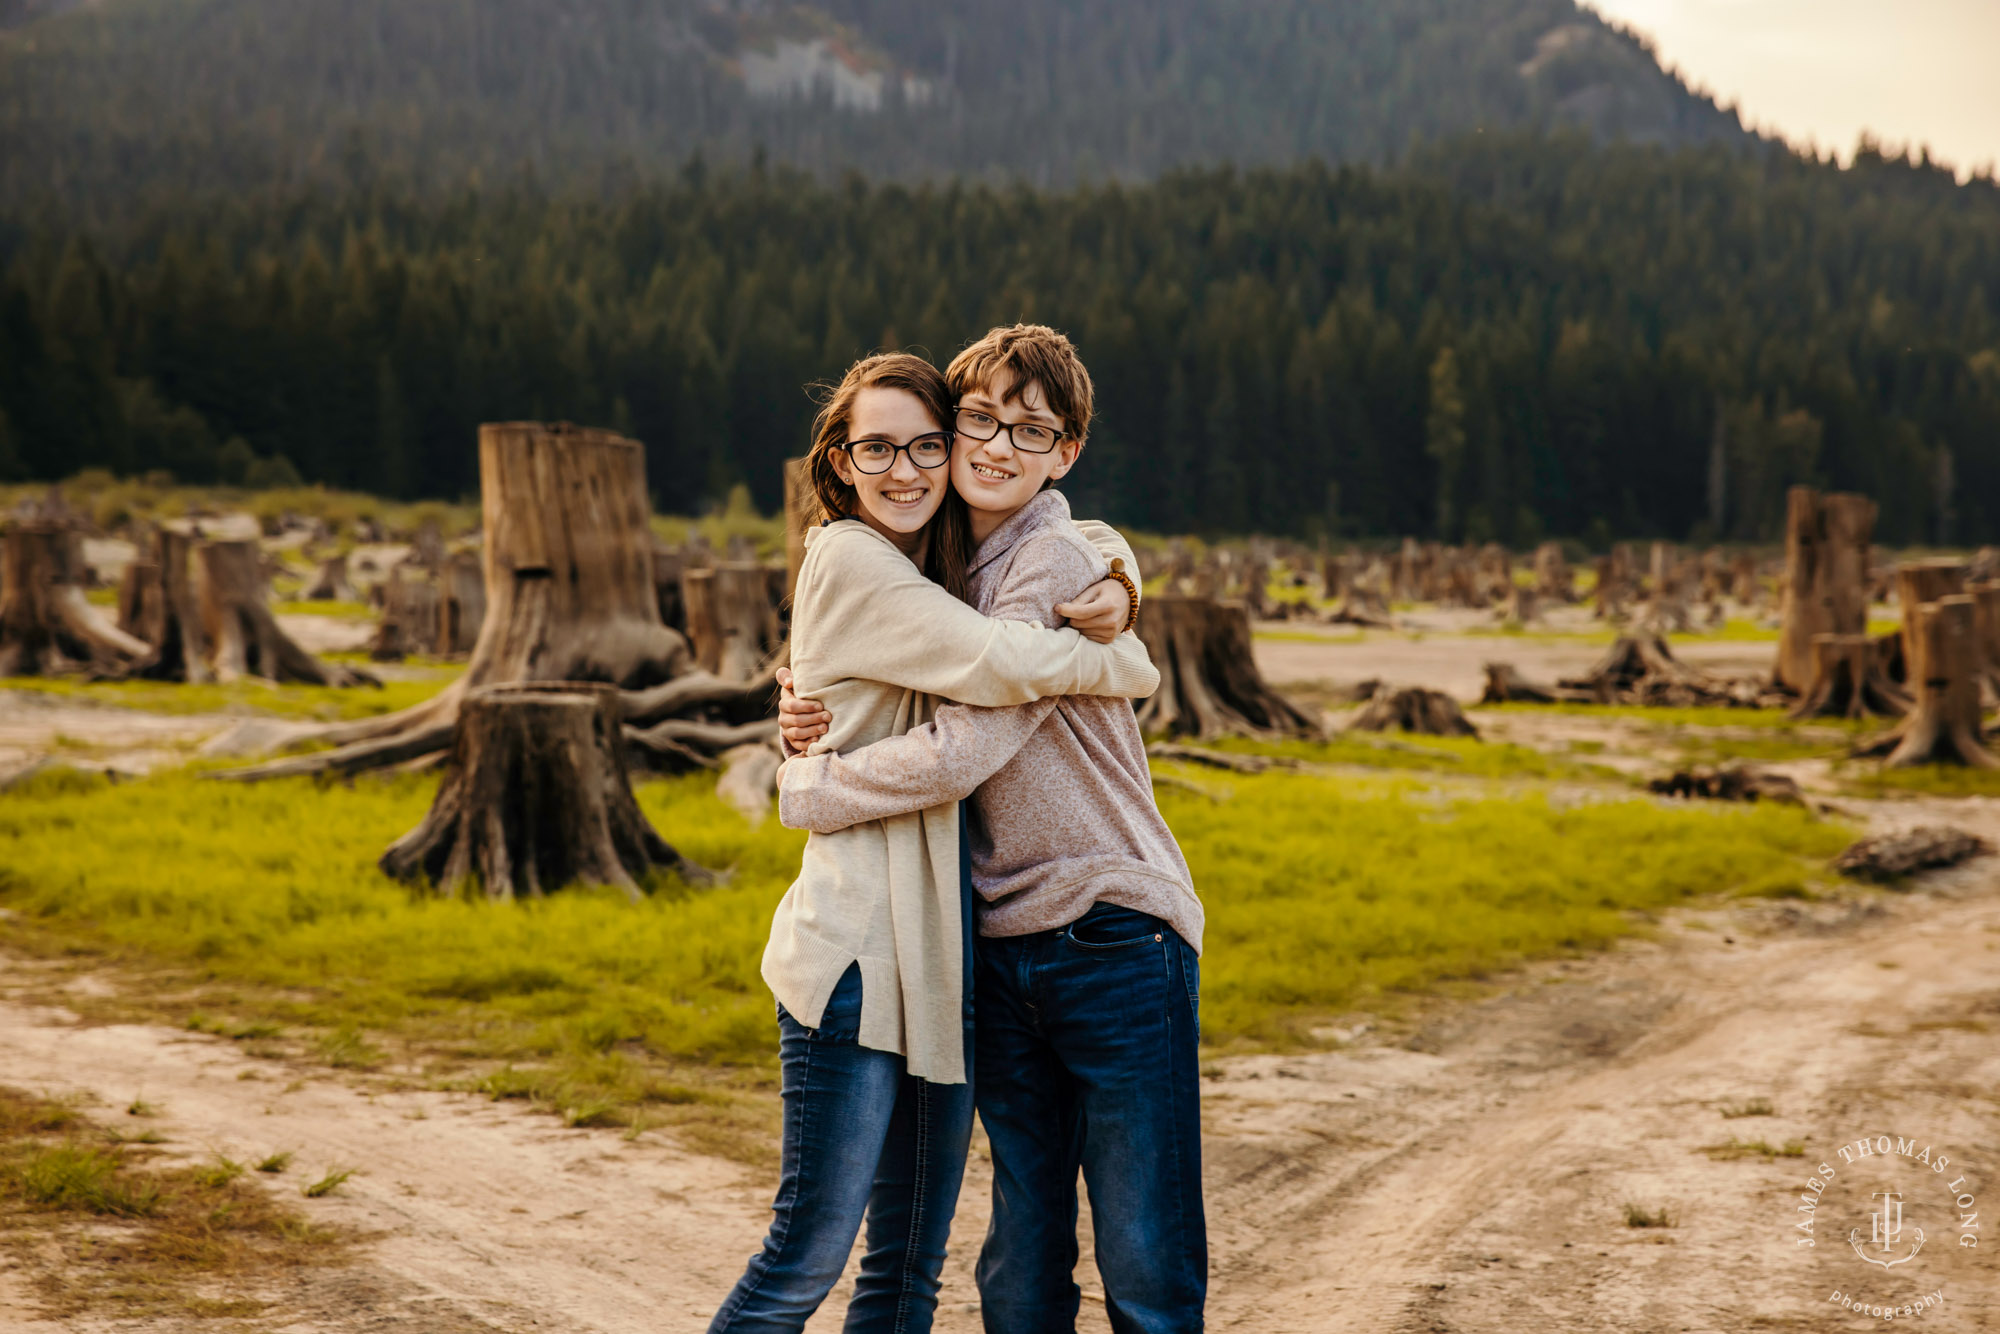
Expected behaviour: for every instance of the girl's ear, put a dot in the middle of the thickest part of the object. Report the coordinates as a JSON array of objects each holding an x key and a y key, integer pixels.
[{"x": 843, "y": 466}]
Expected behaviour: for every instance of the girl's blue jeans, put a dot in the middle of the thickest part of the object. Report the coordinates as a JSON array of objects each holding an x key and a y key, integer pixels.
[{"x": 863, "y": 1139}]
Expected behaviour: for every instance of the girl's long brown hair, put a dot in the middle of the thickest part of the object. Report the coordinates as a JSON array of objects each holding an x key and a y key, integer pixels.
[{"x": 949, "y": 551}]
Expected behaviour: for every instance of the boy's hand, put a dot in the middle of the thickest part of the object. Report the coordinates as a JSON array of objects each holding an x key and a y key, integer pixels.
[
  {"x": 1100, "y": 613},
  {"x": 801, "y": 721}
]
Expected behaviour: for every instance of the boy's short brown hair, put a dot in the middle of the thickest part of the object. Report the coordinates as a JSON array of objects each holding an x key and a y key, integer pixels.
[{"x": 1033, "y": 352}]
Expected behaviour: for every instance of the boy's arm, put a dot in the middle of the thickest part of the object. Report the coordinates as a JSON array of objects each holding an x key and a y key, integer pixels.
[{"x": 944, "y": 760}]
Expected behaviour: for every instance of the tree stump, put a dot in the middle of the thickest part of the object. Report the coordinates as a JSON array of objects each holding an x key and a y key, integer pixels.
[
  {"x": 799, "y": 507},
  {"x": 1944, "y": 727},
  {"x": 47, "y": 626},
  {"x": 698, "y": 603},
  {"x": 746, "y": 619},
  {"x": 569, "y": 588},
  {"x": 667, "y": 564},
  {"x": 1918, "y": 583},
  {"x": 166, "y": 613},
  {"x": 1414, "y": 709},
  {"x": 1826, "y": 577},
  {"x": 461, "y": 604},
  {"x": 1986, "y": 629},
  {"x": 1848, "y": 682},
  {"x": 536, "y": 798},
  {"x": 1736, "y": 782},
  {"x": 244, "y": 638},
  {"x": 1520, "y": 608},
  {"x": 1554, "y": 579},
  {"x": 330, "y": 583},
  {"x": 409, "y": 615},
  {"x": 1209, "y": 682},
  {"x": 1506, "y": 685}
]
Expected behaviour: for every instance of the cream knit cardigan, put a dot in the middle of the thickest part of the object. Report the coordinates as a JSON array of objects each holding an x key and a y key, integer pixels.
[{"x": 878, "y": 644}]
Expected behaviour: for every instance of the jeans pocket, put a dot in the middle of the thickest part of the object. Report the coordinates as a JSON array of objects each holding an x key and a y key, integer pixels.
[
  {"x": 1108, "y": 927},
  {"x": 840, "y": 1020}
]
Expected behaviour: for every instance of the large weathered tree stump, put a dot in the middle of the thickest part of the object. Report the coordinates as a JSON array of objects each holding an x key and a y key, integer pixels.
[
  {"x": 244, "y": 637},
  {"x": 536, "y": 798},
  {"x": 1826, "y": 577},
  {"x": 461, "y": 603},
  {"x": 162, "y": 608},
  {"x": 47, "y": 626},
  {"x": 1848, "y": 682},
  {"x": 1944, "y": 727},
  {"x": 1209, "y": 682},
  {"x": 569, "y": 587}
]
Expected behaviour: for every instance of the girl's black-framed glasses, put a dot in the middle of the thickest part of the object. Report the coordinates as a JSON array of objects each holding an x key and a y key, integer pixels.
[
  {"x": 1028, "y": 437},
  {"x": 878, "y": 456}
]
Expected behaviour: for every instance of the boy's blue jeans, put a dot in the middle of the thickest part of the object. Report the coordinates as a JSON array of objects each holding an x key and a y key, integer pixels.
[
  {"x": 861, "y": 1136},
  {"x": 1087, "y": 1055}
]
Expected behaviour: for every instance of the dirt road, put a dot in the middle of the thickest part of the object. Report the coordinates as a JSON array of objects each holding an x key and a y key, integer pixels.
[{"x": 1463, "y": 1170}]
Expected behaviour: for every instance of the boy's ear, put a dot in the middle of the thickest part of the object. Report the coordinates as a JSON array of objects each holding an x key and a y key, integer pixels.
[{"x": 1066, "y": 455}]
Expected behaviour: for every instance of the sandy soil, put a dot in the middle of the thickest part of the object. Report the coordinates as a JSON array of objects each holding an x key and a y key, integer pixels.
[
  {"x": 1432, "y": 648},
  {"x": 1461, "y": 1169}
]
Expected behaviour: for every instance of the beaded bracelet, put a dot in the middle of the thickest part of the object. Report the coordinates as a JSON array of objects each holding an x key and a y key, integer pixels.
[{"x": 1131, "y": 591}]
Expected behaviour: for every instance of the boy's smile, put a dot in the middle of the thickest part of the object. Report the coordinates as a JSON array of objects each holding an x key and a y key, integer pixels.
[{"x": 994, "y": 477}]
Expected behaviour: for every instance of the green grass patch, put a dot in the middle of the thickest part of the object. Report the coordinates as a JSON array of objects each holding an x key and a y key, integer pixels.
[
  {"x": 267, "y": 894},
  {"x": 1929, "y": 780},
  {"x": 262, "y": 903},
  {"x": 1465, "y": 756},
  {"x": 1756, "y": 1148},
  {"x": 1309, "y": 637},
  {"x": 1321, "y": 894},
  {"x": 346, "y": 611},
  {"x": 114, "y": 1232},
  {"x": 302, "y": 702}
]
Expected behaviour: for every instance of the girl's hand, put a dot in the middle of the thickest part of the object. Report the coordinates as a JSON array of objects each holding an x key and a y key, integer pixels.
[
  {"x": 800, "y": 721},
  {"x": 1100, "y": 613}
]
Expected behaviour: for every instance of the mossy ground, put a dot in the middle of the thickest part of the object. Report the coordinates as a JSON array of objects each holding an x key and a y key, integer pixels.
[
  {"x": 136, "y": 1237},
  {"x": 261, "y": 913}
]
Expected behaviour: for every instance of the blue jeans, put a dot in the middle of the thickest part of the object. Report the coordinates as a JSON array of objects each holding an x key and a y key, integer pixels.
[
  {"x": 861, "y": 1137},
  {"x": 1087, "y": 1054}
]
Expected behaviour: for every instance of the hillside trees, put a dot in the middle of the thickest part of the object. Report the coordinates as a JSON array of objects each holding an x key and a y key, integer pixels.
[{"x": 1269, "y": 347}]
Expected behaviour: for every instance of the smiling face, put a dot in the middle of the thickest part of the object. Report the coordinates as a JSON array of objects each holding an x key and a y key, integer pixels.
[
  {"x": 899, "y": 502},
  {"x": 995, "y": 478}
]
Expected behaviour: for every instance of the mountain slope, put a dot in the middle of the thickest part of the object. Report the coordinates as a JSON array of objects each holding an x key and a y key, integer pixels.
[{"x": 121, "y": 96}]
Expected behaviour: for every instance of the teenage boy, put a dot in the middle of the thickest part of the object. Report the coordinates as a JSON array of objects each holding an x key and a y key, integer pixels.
[{"x": 1086, "y": 997}]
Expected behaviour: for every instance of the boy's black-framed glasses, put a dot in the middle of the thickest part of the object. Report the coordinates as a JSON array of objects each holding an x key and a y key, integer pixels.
[
  {"x": 878, "y": 456},
  {"x": 1028, "y": 437}
]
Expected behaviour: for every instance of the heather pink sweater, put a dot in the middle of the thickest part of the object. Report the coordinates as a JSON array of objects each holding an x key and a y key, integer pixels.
[{"x": 1063, "y": 805}]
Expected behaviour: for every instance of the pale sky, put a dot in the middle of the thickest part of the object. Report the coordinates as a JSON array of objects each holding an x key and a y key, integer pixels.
[{"x": 1822, "y": 71}]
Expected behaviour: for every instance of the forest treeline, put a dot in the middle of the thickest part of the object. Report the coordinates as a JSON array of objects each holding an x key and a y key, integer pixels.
[
  {"x": 1508, "y": 337},
  {"x": 124, "y": 100}
]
